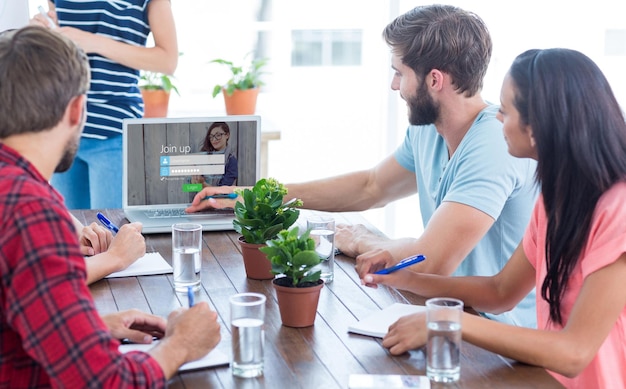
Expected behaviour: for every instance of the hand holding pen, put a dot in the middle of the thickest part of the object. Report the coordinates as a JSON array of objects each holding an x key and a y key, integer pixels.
[
  {"x": 107, "y": 223},
  {"x": 402, "y": 264},
  {"x": 371, "y": 280},
  {"x": 48, "y": 19}
]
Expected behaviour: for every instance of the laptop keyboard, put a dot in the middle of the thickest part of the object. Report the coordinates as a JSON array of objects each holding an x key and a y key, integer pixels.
[{"x": 180, "y": 212}]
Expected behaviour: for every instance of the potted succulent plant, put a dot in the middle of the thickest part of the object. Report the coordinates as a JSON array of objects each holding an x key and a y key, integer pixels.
[
  {"x": 155, "y": 90},
  {"x": 242, "y": 89},
  {"x": 260, "y": 217},
  {"x": 298, "y": 291}
]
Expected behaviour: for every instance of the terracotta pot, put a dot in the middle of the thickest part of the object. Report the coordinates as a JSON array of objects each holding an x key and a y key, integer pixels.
[
  {"x": 258, "y": 267},
  {"x": 241, "y": 102},
  {"x": 298, "y": 306},
  {"x": 155, "y": 103}
]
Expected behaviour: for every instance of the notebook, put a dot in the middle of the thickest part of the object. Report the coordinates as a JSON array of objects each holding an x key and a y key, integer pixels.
[
  {"x": 165, "y": 164},
  {"x": 215, "y": 357},
  {"x": 149, "y": 264},
  {"x": 377, "y": 324}
]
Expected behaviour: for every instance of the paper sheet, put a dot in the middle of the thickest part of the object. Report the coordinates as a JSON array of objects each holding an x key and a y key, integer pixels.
[
  {"x": 214, "y": 358},
  {"x": 378, "y": 323},
  {"x": 149, "y": 264},
  {"x": 387, "y": 381}
]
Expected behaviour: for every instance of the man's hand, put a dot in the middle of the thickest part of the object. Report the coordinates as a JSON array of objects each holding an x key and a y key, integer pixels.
[
  {"x": 355, "y": 239},
  {"x": 199, "y": 202},
  {"x": 94, "y": 239},
  {"x": 134, "y": 325},
  {"x": 408, "y": 333},
  {"x": 128, "y": 245},
  {"x": 196, "y": 330},
  {"x": 190, "y": 335}
]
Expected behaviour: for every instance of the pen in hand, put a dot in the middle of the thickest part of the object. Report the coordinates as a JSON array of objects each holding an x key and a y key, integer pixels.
[
  {"x": 221, "y": 196},
  {"x": 190, "y": 296},
  {"x": 43, "y": 13},
  {"x": 402, "y": 264},
  {"x": 107, "y": 223}
]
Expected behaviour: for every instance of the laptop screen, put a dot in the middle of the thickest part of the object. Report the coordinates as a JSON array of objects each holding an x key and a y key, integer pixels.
[{"x": 168, "y": 160}]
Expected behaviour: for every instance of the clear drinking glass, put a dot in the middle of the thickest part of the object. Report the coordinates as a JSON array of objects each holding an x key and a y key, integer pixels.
[
  {"x": 323, "y": 233},
  {"x": 186, "y": 261},
  {"x": 247, "y": 315},
  {"x": 444, "y": 339}
]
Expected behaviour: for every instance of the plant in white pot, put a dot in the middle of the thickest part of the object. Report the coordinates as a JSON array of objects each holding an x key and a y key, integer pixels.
[
  {"x": 260, "y": 217},
  {"x": 242, "y": 88},
  {"x": 298, "y": 292}
]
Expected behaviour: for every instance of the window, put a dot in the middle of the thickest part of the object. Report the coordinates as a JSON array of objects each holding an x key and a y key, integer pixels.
[
  {"x": 615, "y": 43},
  {"x": 326, "y": 47}
]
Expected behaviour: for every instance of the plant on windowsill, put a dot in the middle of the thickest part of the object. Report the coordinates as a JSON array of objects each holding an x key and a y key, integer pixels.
[
  {"x": 259, "y": 218},
  {"x": 298, "y": 291},
  {"x": 155, "y": 90},
  {"x": 242, "y": 89}
]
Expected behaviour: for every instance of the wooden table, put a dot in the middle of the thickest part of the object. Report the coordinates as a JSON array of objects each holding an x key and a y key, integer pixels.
[{"x": 321, "y": 356}]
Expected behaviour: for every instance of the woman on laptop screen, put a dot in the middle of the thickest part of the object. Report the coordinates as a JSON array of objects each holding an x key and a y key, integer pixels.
[{"x": 216, "y": 142}]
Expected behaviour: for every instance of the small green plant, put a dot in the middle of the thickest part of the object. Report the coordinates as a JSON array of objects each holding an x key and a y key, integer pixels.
[
  {"x": 156, "y": 81},
  {"x": 294, "y": 256},
  {"x": 262, "y": 215},
  {"x": 241, "y": 78}
]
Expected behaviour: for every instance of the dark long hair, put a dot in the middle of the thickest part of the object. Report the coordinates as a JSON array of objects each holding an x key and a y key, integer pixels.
[{"x": 580, "y": 135}]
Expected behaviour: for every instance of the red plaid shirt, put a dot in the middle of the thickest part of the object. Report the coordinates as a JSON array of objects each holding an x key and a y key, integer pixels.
[{"x": 50, "y": 331}]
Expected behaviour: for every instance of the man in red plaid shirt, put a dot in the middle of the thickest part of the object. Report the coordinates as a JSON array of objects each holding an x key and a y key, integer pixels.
[{"x": 50, "y": 331}]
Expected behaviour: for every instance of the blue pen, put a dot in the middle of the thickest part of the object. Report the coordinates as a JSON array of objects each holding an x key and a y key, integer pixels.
[
  {"x": 107, "y": 223},
  {"x": 402, "y": 264},
  {"x": 190, "y": 296},
  {"x": 221, "y": 196}
]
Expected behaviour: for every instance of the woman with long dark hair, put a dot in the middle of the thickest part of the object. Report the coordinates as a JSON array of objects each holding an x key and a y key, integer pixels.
[
  {"x": 216, "y": 142},
  {"x": 558, "y": 108}
]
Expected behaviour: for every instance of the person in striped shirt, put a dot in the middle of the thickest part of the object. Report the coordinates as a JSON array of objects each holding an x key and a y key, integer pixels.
[{"x": 114, "y": 35}]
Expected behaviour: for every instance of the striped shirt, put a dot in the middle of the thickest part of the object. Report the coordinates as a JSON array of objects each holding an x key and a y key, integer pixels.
[{"x": 113, "y": 94}]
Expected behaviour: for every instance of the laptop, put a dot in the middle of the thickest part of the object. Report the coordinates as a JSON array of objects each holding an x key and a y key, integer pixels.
[{"x": 166, "y": 162}]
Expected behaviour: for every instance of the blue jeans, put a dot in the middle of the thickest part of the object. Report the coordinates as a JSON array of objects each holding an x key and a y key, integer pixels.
[{"x": 95, "y": 179}]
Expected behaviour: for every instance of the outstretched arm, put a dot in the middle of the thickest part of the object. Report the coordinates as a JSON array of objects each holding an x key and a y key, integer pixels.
[{"x": 570, "y": 350}]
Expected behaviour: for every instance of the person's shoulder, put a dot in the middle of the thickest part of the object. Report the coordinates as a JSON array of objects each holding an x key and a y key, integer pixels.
[
  {"x": 613, "y": 197},
  {"x": 488, "y": 114}
]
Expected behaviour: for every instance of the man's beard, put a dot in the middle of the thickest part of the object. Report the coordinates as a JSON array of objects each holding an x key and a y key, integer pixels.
[
  {"x": 68, "y": 157},
  {"x": 422, "y": 108}
]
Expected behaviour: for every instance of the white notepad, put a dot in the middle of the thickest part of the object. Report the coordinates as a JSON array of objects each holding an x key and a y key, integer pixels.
[
  {"x": 388, "y": 381},
  {"x": 149, "y": 264},
  {"x": 214, "y": 358},
  {"x": 378, "y": 323}
]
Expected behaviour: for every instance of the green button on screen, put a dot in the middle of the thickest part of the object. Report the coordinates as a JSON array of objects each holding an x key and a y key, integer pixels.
[{"x": 192, "y": 187}]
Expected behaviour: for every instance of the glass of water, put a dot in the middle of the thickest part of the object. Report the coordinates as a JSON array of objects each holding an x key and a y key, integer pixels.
[
  {"x": 186, "y": 249},
  {"x": 247, "y": 315},
  {"x": 323, "y": 233},
  {"x": 443, "y": 363}
]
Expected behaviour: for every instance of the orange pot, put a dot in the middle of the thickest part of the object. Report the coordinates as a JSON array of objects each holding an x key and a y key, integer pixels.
[
  {"x": 155, "y": 103},
  {"x": 258, "y": 267},
  {"x": 241, "y": 102},
  {"x": 298, "y": 306}
]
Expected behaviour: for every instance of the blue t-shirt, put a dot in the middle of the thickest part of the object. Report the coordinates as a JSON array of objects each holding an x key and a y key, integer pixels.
[
  {"x": 482, "y": 174},
  {"x": 113, "y": 93}
]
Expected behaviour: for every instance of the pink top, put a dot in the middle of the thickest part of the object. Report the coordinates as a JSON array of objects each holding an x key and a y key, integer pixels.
[{"x": 606, "y": 242}]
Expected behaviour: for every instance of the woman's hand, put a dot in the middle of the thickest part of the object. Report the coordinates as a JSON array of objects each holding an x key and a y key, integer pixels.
[
  {"x": 94, "y": 239},
  {"x": 408, "y": 333}
]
